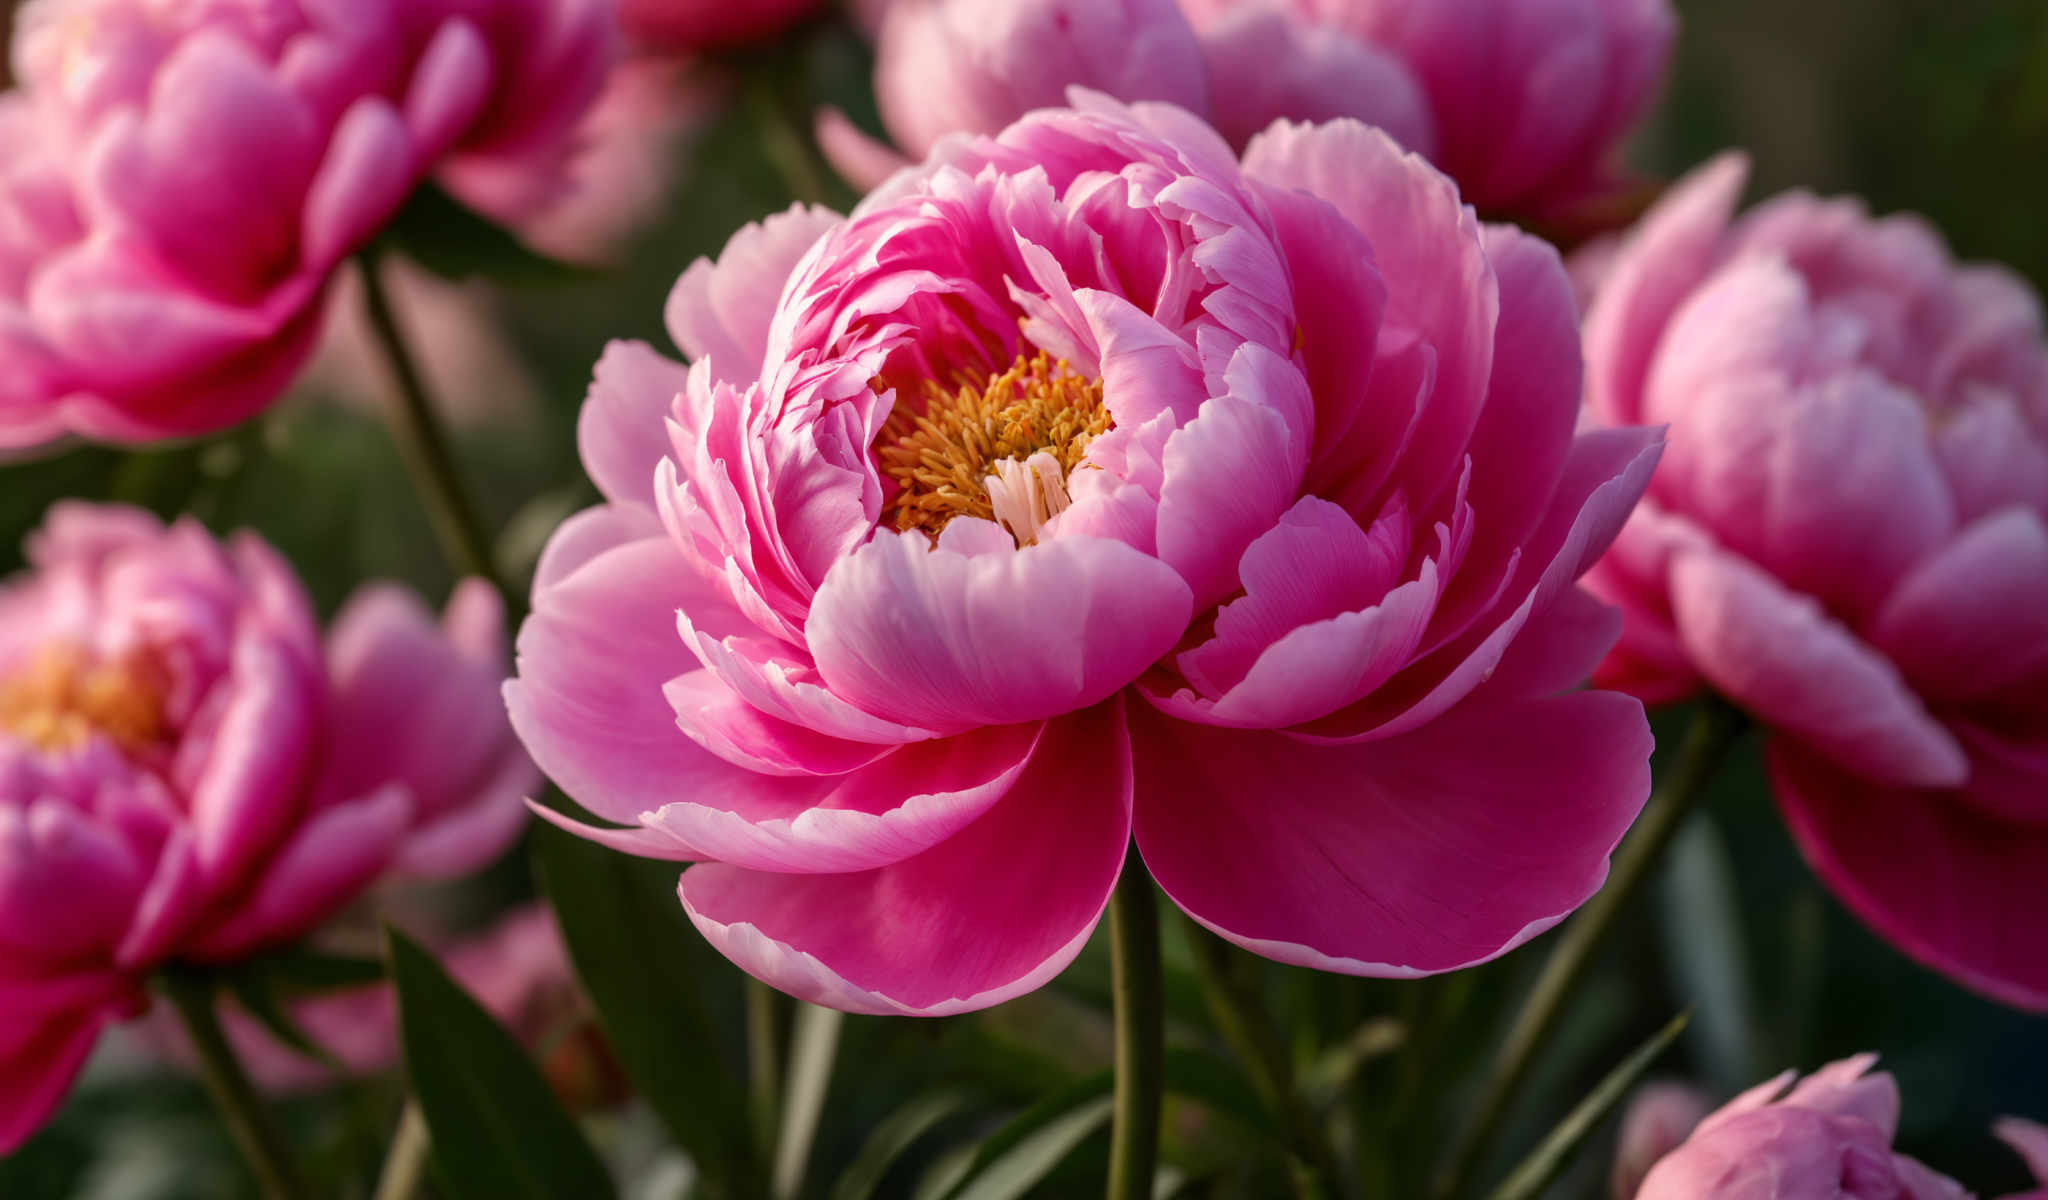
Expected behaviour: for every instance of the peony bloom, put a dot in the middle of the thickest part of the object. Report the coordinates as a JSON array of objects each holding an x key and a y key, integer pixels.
[
  {"x": 517, "y": 969},
  {"x": 1849, "y": 539},
  {"x": 692, "y": 26},
  {"x": 1527, "y": 99},
  {"x": 974, "y": 66},
  {"x": 187, "y": 774},
  {"x": 1657, "y": 1121},
  {"x": 1088, "y": 483},
  {"x": 197, "y": 171},
  {"x": 1825, "y": 1137}
]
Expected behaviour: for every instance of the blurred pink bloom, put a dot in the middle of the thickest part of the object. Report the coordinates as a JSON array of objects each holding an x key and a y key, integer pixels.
[
  {"x": 196, "y": 171},
  {"x": 518, "y": 969},
  {"x": 188, "y": 774},
  {"x": 1087, "y": 483},
  {"x": 690, "y": 26},
  {"x": 975, "y": 66},
  {"x": 1825, "y": 1137},
  {"x": 1849, "y": 539},
  {"x": 1657, "y": 1121},
  {"x": 1527, "y": 99}
]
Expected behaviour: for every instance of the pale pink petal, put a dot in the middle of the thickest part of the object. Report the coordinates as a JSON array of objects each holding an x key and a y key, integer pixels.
[
  {"x": 1777, "y": 654},
  {"x": 248, "y": 795},
  {"x": 1265, "y": 65},
  {"x": 1973, "y": 618},
  {"x": 721, "y": 310},
  {"x": 622, "y": 432},
  {"x": 992, "y": 912},
  {"x": 1400, "y": 857},
  {"x": 943, "y": 641},
  {"x": 861, "y": 160}
]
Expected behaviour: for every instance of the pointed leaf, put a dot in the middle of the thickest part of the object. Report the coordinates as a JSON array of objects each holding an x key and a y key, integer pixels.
[
  {"x": 1550, "y": 1157},
  {"x": 897, "y": 1133},
  {"x": 495, "y": 1128}
]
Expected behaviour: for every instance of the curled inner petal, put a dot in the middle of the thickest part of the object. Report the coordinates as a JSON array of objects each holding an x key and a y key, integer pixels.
[{"x": 999, "y": 450}]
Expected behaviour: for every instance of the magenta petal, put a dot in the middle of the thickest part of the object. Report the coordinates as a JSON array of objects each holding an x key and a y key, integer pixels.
[
  {"x": 1558, "y": 648},
  {"x": 1777, "y": 654},
  {"x": 246, "y": 796},
  {"x": 1952, "y": 887},
  {"x": 2030, "y": 1141},
  {"x": 40, "y": 1065},
  {"x": 992, "y": 912},
  {"x": 1408, "y": 856},
  {"x": 360, "y": 184},
  {"x": 943, "y": 641},
  {"x": 467, "y": 838},
  {"x": 1266, "y": 64},
  {"x": 67, "y": 885},
  {"x": 622, "y": 432},
  {"x": 450, "y": 85},
  {"x": 329, "y": 860}
]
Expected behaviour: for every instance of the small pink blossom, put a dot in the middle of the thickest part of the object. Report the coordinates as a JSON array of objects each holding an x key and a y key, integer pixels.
[
  {"x": 1825, "y": 1137},
  {"x": 190, "y": 774},
  {"x": 184, "y": 177},
  {"x": 1849, "y": 539},
  {"x": 1088, "y": 483}
]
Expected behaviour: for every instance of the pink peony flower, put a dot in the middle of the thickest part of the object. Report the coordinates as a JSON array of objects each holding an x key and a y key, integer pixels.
[
  {"x": 1087, "y": 482},
  {"x": 975, "y": 66},
  {"x": 1527, "y": 98},
  {"x": 1849, "y": 539},
  {"x": 1825, "y": 1137},
  {"x": 690, "y": 26},
  {"x": 518, "y": 969},
  {"x": 197, "y": 171},
  {"x": 188, "y": 775}
]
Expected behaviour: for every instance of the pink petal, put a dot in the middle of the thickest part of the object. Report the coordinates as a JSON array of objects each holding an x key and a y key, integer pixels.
[
  {"x": 467, "y": 838},
  {"x": 1558, "y": 649},
  {"x": 1951, "y": 886},
  {"x": 990, "y": 913},
  {"x": 39, "y": 1071},
  {"x": 1396, "y": 858},
  {"x": 68, "y": 887},
  {"x": 622, "y": 432},
  {"x": 1660, "y": 264},
  {"x": 361, "y": 182},
  {"x": 1973, "y": 619},
  {"x": 860, "y": 160},
  {"x": 2030, "y": 1140},
  {"x": 450, "y": 85},
  {"x": 1266, "y": 64},
  {"x": 249, "y": 793},
  {"x": 944, "y": 641},
  {"x": 588, "y": 534},
  {"x": 721, "y": 310},
  {"x": 1777, "y": 654}
]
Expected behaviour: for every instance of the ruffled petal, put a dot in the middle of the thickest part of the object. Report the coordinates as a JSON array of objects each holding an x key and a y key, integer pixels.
[
  {"x": 1396, "y": 858},
  {"x": 721, "y": 310},
  {"x": 622, "y": 432},
  {"x": 992, "y": 912}
]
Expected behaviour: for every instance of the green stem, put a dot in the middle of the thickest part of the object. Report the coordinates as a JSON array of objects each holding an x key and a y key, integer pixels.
[
  {"x": 1138, "y": 984},
  {"x": 405, "y": 1164},
  {"x": 764, "y": 1064},
  {"x": 1241, "y": 1018},
  {"x": 423, "y": 443},
  {"x": 248, "y": 1119},
  {"x": 1715, "y": 730}
]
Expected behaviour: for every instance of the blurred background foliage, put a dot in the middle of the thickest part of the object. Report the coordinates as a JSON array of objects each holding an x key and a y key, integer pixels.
[{"x": 1939, "y": 106}]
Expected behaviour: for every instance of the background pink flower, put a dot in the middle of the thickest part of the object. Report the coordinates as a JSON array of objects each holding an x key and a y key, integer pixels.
[
  {"x": 1827, "y": 1135},
  {"x": 692, "y": 26},
  {"x": 1527, "y": 99},
  {"x": 1849, "y": 539},
  {"x": 1088, "y": 483},
  {"x": 199, "y": 170},
  {"x": 187, "y": 773}
]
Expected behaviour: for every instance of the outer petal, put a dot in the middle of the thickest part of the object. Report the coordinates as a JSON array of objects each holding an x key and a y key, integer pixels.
[
  {"x": 248, "y": 794},
  {"x": 50, "y": 1026},
  {"x": 622, "y": 432},
  {"x": 944, "y": 641},
  {"x": 67, "y": 887},
  {"x": 1973, "y": 618},
  {"x": 1775, "y": 653},
  {"x": 993, "y": 912},
  {"x": 721, "y": 310},
  {"x": 1265, "y": 64},
  {"x": 1948, "y": 884},
  {"x": 1423, "y": 853}
]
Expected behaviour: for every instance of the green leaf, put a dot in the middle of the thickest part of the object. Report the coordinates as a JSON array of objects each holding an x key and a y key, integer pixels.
[
  {"x": 648, "y": 974},
  {"x": 1023, "y": 1151},
  {"x": 310, "y": 972},
  {"x": 256, "y": 992},
  {"x": 1550, "y": 1157},
  {"x": 813, "y": 1047},
  {"x": 897, "y": 1133},
  {"x": 496, "y": 1129},
  {"x": 453, "y": 241}
]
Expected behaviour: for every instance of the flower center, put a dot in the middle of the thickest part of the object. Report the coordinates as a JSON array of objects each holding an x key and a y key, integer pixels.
[
  {"x": 1000, "y": 450},
  {"x": 63, "y": 696}
]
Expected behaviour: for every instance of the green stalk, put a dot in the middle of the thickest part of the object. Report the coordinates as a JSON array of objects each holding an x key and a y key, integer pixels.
[
  {"x": 248, "y": 1118},
  {"x": 1138, "y": 985},
  {"x": 405, "y": 1164},
  {"x": 1714, "y": 732}
]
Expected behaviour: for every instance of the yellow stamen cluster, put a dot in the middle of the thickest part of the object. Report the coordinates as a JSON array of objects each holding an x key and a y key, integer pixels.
[
  {"x": 63, "y": 696},
  {"x": 942, "y": 457}
]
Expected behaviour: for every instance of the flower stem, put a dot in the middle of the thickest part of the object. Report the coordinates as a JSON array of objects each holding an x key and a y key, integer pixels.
[
  {"x": 1137, "y": 982},
  {"x": 248, "y": 1119},
  {"x": 1245, "y": 1025},
  {"x": 405, "y": 1164},
  {"x": 423, "y": 443},
  {"x": 1715, "y": 730},
  {"x": 764, "y": 1064}
]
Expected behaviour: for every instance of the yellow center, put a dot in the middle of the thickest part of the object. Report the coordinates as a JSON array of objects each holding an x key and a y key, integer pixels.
[
  {"x": 963, "y": 455},
  {"x": 63, "y": 696}
]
